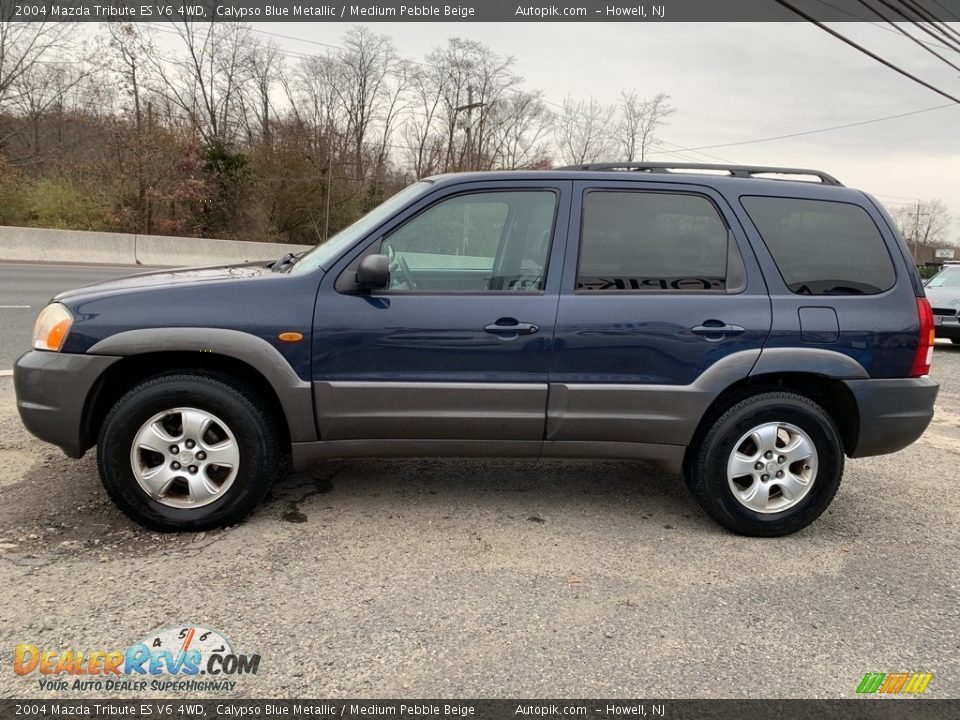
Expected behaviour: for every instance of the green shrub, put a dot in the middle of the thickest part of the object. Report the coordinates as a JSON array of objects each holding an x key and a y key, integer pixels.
[{"x": 58, "y": 204}]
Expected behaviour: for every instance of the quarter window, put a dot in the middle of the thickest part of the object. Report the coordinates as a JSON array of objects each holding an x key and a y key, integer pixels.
[
  {"x": 821, "y": 247},
  {"x": 658, "y": 242},
  {"x": 480, "y": 242}
]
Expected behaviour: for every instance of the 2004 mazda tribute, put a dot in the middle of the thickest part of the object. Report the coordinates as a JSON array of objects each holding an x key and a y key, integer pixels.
[{"x": 747, "y": 328}]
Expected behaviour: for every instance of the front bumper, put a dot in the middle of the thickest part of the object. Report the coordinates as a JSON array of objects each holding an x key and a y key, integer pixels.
[
  {"x": 893, "y": 412},
  {"x": 52, "y": 391},
  {"x": 946, "y": 326}
]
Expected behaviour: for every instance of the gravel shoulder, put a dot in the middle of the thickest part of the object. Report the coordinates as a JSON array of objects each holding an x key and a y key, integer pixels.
[{"x": 502, "y": 578}]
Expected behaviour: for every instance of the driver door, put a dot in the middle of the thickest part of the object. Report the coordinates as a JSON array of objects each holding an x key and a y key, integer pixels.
[{"x": 456, "y": 349}]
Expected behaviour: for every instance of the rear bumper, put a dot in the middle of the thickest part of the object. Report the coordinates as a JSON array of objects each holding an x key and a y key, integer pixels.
[
  {"x": 52, "y": 391},
  {"x": 893, "y": 413}
]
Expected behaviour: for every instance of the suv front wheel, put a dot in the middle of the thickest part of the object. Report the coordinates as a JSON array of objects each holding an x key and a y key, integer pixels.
[
  {"x": 769, "y": 466},
  {"x": 187, "y": 452}
]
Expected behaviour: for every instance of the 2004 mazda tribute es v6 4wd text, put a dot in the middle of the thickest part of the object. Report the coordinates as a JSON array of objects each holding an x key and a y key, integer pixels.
[{"x": 745, "y": 326}]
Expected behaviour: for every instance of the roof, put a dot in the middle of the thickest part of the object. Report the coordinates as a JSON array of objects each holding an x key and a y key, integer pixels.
[{"x": 733, "y": 180}]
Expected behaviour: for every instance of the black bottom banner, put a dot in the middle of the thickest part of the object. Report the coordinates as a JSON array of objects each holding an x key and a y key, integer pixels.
[{"x": 864, "y": 708}]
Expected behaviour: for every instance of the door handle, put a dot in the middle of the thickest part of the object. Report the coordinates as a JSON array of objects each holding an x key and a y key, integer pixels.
[
  {"x": 509, "y": 326},
  {"x": 717, "y": 329}
]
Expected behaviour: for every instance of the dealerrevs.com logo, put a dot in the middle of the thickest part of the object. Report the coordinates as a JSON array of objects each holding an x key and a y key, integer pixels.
[{"x": 182, "y": 658}]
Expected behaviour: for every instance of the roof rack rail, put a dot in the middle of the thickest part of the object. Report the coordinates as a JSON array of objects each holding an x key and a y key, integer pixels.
[{"x": 740, "y": 171}]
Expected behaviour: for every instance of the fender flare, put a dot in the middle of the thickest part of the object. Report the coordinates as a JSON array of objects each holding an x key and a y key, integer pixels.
[
  {"x": 294, "y": 394},
  {"x": 811, "y": 361}
]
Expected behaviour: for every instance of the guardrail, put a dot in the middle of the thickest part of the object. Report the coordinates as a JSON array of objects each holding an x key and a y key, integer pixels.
[{"x": 79, "y": 246}]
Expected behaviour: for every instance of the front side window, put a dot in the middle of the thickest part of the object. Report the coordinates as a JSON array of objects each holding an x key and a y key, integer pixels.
[
  {"x": 477, "y": 242},
  {"x": 659, "y": 242},
  {"x": 822, "y": 247}
]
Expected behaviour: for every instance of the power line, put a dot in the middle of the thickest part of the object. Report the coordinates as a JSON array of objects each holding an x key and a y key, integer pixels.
[
  {"x": 880, "y": 26},
  {"x": 674, "y": 148},
  {"x": 951, "y": 44},
  {"x": 821, "y": 130},
  {"x": 905, "y": 33},
  {"x": 948, "y": 12},
  {"x": 680, "y": 148},
  {"x": 931, "y": 19},
  {"x": 864, "y": 50}
]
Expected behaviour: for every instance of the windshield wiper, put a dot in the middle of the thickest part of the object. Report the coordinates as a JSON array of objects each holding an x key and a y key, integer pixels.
[{"x": 288, "y": 260}]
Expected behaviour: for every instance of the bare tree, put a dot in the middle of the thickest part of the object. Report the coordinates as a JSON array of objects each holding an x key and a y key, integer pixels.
[
  {"x": 132, "y": 45},
  {"x": 425, "y": 146},
  {"x": 927, "y": 222},
  {"x": 395, "y": 104},
  {"x": 520, "y": 129},
  {"x": 216, "y": 135},
  {"x": 313, "y": 94},
  {"x": 462, "y": 82},
  {"x": 205, "y": 81},
  {"x": 494, "y": 84},
  {"x": 263, "y": 68},
  {"x": 639, "y": 120},
  {"x": 38, "y": 66},
  {"x": 367, "y": 63},
  {"x": 23, "y": 45},
  {"x": 583, "y": 130}
]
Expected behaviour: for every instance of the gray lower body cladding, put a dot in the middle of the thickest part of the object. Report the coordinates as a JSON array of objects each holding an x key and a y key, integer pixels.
[
  {"x": 52, "y": 390},
  {"x": 647, "y": 422},
  {"x": 893, "y": 413},
  {"x": 438, "y": 411}
]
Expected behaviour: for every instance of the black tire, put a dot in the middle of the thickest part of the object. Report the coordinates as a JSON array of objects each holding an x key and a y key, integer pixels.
[
  {"x": 707, "y": 471},
  {"x": 261, "y": 453}
]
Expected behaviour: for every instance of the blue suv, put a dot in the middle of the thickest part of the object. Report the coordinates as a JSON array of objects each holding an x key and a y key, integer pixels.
[{"x": 747, "y": 327}]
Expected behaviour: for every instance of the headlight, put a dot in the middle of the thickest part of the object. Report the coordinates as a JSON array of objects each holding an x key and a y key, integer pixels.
[{"x": 50, "y": 330}]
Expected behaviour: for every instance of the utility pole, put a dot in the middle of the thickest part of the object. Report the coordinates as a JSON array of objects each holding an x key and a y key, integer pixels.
[
  {"x": 916, "y": 236},
  {"x": 467, "y": 124},
  {"x": 329, "y": 180}
]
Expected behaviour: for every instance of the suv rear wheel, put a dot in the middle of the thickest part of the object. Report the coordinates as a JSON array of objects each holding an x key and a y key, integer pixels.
[
  {"x": 769, "y": 466},
  {"x": 187, "y": 452}
]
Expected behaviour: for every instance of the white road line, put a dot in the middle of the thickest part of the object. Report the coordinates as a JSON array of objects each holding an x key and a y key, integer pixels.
[
  {"x": 6, "y": 373},
  {"x": 14, "y": 307}
]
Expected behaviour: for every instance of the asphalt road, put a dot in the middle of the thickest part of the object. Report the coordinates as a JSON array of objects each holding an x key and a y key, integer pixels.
[
  {"x": 433, "y": 578},
  {"x": 24, "y": 290}
]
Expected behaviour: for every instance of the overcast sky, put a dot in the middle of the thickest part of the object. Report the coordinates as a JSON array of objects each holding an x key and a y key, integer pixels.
[{"x": 736, "y": 82}]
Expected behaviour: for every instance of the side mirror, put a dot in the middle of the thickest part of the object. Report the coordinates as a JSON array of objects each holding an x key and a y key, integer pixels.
[{"x": 373, "y": 273}]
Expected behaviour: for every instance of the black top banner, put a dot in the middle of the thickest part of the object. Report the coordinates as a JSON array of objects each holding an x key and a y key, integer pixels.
[{"x": 367, "y": 11}]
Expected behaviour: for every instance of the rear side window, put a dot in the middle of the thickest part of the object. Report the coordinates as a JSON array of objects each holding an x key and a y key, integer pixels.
[
  {"x": 649, "y": 241},
  {"x": 823, "y": 248}
]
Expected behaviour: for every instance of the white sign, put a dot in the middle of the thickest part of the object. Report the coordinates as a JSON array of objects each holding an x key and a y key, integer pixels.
[{"x": 944, "y": 253}]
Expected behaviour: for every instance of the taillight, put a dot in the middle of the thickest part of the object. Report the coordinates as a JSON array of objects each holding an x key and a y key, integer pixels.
[{"x": 924, "y": 354}]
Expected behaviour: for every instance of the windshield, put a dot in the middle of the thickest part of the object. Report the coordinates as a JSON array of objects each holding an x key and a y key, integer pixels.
[
  {"x": 948, "y": 278},
  {"x": 325, "y": 253}
]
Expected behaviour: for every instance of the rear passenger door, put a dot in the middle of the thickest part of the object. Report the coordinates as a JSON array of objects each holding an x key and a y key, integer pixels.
[{"x": 661, "y": 302}]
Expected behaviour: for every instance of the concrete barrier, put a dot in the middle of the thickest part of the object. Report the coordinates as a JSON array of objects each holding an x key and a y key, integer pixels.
[
  {"x": 38, "y": 245},
  {"x": 160, "y": 250},
  {"x": 78, "y": 246}
]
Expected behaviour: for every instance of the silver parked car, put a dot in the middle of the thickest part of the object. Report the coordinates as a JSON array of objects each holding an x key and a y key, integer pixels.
[{"x": 943, "y": 292}]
